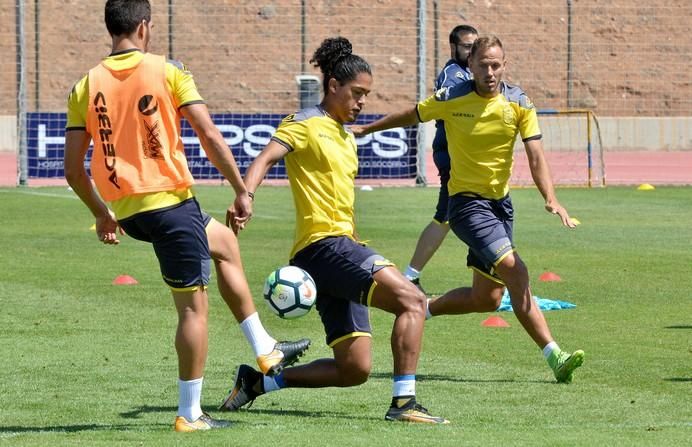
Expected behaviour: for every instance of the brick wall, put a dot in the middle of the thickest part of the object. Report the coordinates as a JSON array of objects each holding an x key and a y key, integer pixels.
[{"x": 627, "y": 59}]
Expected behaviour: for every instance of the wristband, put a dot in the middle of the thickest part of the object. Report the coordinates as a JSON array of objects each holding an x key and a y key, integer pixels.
[{"x": 251, "y": 195}]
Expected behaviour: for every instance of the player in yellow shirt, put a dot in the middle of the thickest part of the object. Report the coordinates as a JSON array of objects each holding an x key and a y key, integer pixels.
[
  {"x": 321, "y": 161},
  {"x": 455, "y": 71},
  {"x": 131, "y": 105},
  {"x": 482, "y": 118}
]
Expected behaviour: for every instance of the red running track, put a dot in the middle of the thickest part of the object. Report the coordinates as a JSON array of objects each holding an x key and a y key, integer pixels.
[{"x": 621, "y": 168}]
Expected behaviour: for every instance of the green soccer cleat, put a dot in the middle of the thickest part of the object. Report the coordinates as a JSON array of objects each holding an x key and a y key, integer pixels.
[
  {"x": 563, "y": 364},
  {"x": 248, "y": 385},
  {"x": 204, "y": 422},
  {"x": 411, "y": 411}
]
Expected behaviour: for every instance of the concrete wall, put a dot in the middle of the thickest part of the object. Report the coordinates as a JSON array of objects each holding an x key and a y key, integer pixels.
[
  {"x": 626, "y": 57},
  {"x": 568, "y": 133},
  {"x": 8, "y": 133},
  {"x": 560, "y": 133},
  {"x": 647, "y": 133}
]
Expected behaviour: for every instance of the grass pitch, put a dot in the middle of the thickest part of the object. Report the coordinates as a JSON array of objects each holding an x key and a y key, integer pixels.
[{"x": 89, "y": 363}]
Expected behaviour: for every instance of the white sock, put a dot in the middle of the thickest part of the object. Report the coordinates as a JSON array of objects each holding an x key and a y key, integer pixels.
[
  {"x": 549, "y": 348},
  {"x": 428, "y": 315},
  {"x": 270, "y": 384},
  {"x": 189, "y": 396},
  {"x": 411, "y": 273},
  {"x": 256, "y": 335},
  {"x": 404, "y": 385}
]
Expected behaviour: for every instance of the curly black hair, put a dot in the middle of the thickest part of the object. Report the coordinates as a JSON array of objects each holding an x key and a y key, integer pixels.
[{"x": 336, "y": 60}]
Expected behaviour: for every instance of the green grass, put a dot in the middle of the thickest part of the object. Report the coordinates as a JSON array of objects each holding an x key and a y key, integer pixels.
[{"x": 88, "y": 363}]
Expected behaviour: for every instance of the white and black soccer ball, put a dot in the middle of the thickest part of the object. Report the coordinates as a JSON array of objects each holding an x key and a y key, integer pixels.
[{"x": 290, "y": 292}]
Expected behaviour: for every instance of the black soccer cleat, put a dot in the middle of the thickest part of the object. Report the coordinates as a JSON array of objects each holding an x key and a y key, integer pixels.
[
  {"x": 411, "y": 411},
  {"x": 416, "y": 282},
  {"x": 248, "y": 385}
]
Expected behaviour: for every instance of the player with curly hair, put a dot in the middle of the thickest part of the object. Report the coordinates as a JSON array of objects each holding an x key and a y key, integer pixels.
[
  {"x": 455, "y": 71},
  {"x": 321, "y": 161}
]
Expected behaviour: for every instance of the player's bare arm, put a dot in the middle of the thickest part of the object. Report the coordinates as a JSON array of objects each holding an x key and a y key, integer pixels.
[
  {"x": 540, "y": 172},
  {"x": 254, "y": 175},
  {"x": 221, "y": 157},
  {"x": 270, "y": 155},
  {"x": 76, "y": 146},
  {"x": 398, "y": 119}
]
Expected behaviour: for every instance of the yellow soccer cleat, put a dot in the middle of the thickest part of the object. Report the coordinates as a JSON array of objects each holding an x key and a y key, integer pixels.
[
  {"x": 411, "y": 411},
  {"x": 204, "y": 422},
  {"x": 285, "y": 354}
]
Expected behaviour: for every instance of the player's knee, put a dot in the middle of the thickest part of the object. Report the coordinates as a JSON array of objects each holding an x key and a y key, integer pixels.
[
  {"x": 494, "y": 299},
  {"x": 514, "y": 263},
  {"x": 488, "y": 301},
  {"x": 412, "y": 300},
  {"x": 355, "y": 374},
  {"x": 358, "y": 377},
  {"x": 192, "y": 319},
  {"x": 221, "y": 253},
  {"x": 489, "y": 304},
  {"x": 222, "y": 242}
]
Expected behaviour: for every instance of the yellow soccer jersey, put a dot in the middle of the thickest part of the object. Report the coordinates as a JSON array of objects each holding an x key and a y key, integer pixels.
[
  {"x": 481, "y": 134},
  {"x": 182, "y": 86},
  {"x": 322, "y": 165}
]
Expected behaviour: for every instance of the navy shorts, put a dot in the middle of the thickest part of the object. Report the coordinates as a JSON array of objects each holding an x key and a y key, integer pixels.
[
  {"x": 484, "y": 225},
  {"x": 343, "y": 272},
  {"x": 441, "y": 159},
  {"x": 180, "y": 242}
]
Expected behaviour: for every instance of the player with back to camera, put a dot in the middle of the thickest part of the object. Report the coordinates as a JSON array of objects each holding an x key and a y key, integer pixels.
[
  {"x": 321, "y": 161},
  {"x": 131, "y": 104},
  {"x": 482, "y": 118},
  {"x": 456, "y": 70}
]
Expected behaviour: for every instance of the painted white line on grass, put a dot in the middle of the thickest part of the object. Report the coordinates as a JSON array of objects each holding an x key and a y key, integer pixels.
[
  {"x": 37, "y": 193},
  {"x": 254, "y": 216},
  {"x": 74, "y": 197}
]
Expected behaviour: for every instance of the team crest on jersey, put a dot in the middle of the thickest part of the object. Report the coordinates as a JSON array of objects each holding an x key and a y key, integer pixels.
[
  {"x": 508, "y": 115},
  {"x": 442, "y": 94},
  {"x": 527, "y": 102},
  {"x": 290, "y": 118}
]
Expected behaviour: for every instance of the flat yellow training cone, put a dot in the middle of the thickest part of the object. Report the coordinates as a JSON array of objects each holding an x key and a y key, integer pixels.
[
  {"x": 645, "y": 187},
  {"x": 93, "y": 227},
  {"x": 575, "y": 221}
]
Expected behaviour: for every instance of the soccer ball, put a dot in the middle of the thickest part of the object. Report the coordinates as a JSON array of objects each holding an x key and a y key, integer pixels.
[{"x": 290, "y": 292}]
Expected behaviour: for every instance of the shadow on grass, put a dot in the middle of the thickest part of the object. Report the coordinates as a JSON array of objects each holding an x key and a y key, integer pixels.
[
  {"x": 678, "y": 379},
  {"x": 310, "y": 414},
  {"x": 74, "y": 428},
  {"x": 441, "y": 378},
  {"x": 137, "y": 412},
  {"x": 679, "y": 326}
]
